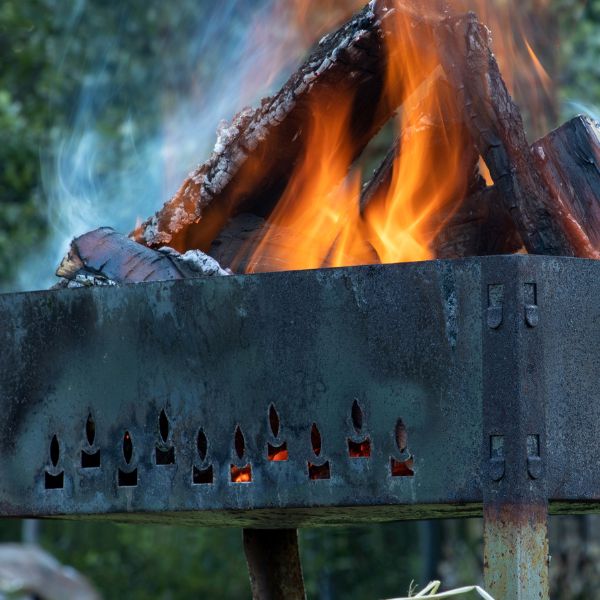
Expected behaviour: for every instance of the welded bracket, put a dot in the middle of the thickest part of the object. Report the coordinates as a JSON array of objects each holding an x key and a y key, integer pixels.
[{"x": 515, "y": 491}]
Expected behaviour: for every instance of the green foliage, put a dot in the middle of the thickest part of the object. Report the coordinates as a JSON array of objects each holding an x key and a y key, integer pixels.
[
  {"x": 137, "y": 562},
  {"x": 579, "y": 54}
]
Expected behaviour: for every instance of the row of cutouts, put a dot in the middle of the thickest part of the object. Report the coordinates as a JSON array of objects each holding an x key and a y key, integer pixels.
[{"x": 359, "y": 447}]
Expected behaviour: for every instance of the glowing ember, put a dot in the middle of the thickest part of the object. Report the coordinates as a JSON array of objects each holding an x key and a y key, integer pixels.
[
  {"x": 278, "y": 453},
  {"x": 360, "y": 449},
  {"x": 241, "y": 474}
]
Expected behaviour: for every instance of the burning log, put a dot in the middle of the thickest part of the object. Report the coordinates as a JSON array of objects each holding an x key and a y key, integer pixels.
[
  {"x": 570, "y": 163},
  {"x": 539, "y": 211},
  {"x": 105, "y": 257},
  {"x": 255, "y": 154},
  {"x": 483, "y": 225}
]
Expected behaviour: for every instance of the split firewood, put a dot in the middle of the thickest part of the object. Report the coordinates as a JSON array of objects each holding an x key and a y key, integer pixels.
[
  {"x": 105, "y": 257},
  {"x": 569, "y": 159},
  {"x": 540, "y": 212},
  {"x": 255, "y": 154}
]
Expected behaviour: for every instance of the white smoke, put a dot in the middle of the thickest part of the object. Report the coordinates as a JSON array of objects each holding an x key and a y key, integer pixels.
[
  {"x": 574, "y": 107},
  {"x": 84, "y": 189}
]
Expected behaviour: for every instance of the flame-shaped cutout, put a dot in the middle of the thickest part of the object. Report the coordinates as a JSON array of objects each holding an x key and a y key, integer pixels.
[
  {"x": 54, "y": 451},
  {"x": 357, "y": 416},
  {"x": 240, "y": 443},
  {"x": 274, "y": 420},
  {"x": 202, "y": 444},
  {"x": 401, "y": 435},
  {"x": 315, "y": 438},
  {"x": 90, "y": 430},
  {"x": 163, "y": 425},
  {"x": 127, "y": 447}
]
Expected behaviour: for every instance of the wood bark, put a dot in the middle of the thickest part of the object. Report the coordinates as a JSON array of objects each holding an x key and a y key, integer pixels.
[
  {"x": 255, "y": 155},
  {"x": 104, "y": 256},
  {"x": 570, "y": 165},
  {"x": 544, "y": 222}
]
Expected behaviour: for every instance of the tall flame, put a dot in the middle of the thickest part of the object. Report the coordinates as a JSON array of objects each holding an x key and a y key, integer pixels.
[{"x": 318, "y": 220}]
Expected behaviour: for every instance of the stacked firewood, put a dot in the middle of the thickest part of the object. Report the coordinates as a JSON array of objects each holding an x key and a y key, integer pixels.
[{"x": 545, "y": 196}]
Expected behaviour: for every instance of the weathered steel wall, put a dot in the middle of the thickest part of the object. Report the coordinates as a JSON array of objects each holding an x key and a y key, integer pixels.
[
  {"x": 215, "y": 354},
  {"x": 405, "y": 341}
]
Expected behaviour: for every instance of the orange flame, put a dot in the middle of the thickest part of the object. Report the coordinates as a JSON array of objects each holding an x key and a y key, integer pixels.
[{"x": 318, "y": 221}]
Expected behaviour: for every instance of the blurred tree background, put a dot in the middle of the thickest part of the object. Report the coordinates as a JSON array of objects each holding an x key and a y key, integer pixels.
[{"x": 94, "y": 97}]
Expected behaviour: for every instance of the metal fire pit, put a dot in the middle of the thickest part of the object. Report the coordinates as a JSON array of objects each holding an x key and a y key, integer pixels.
[{"x": 434, "y": 389}]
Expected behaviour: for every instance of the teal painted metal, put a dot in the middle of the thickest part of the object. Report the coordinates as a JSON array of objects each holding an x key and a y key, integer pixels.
[{"x": 403, "y": 341}]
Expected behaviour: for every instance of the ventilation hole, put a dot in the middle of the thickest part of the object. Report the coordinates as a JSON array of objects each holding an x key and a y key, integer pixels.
[
  {"x": 359, "y": 449},
  {"x": 202, "y": 445},
  {"x": 90, "y": 430},
  {"x": 357, "y": 416},
  {"x": 127, "y": 479},
  {"x": 54, "y": 451},
  {"x": 315, "y": 439},
  {"x": 240, "y": 444},
  {"x": 241, "y": 474},
  {"x": 202, "y": 476},
  {"x": 277, "y": 453},
  {"x": 319, "y": 471},
  {"x": 165, "y": 457},
  {"x": 402, "y": 468},
  {"x": 127, "y": 447},
  {"x": 401, "y": 435},
  {"x": 163, "y": 425},
  {"x": 274, "y": 420},
  {"x": 54, "y": 482},
  {"x": 90, "y": 460}
]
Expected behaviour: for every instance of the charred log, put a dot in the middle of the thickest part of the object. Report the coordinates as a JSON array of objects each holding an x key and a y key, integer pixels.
[
  {"x": 105, "y": 257},
  {"x": 481, "y": 226},
  {"x": 569, "y": 159},
  {"x": 544, "y": 222},
  {"x": 255, "y": 155}
]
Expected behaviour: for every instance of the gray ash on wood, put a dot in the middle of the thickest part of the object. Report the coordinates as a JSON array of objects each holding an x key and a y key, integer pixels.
[{"x": 105, "y": 257}]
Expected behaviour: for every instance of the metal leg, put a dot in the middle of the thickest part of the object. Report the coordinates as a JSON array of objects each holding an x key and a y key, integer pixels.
[
  {"x": 515, "y": 496},
  {"x": 516, "y": 552},
  {"x": 274, "y": 564}
]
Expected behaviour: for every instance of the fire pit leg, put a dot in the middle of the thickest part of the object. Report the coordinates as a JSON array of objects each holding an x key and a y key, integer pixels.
[
  {"x": 515, "y": 495},
  {"x": 274, "y": 564},
  {"x": 516, "y": 552}
]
